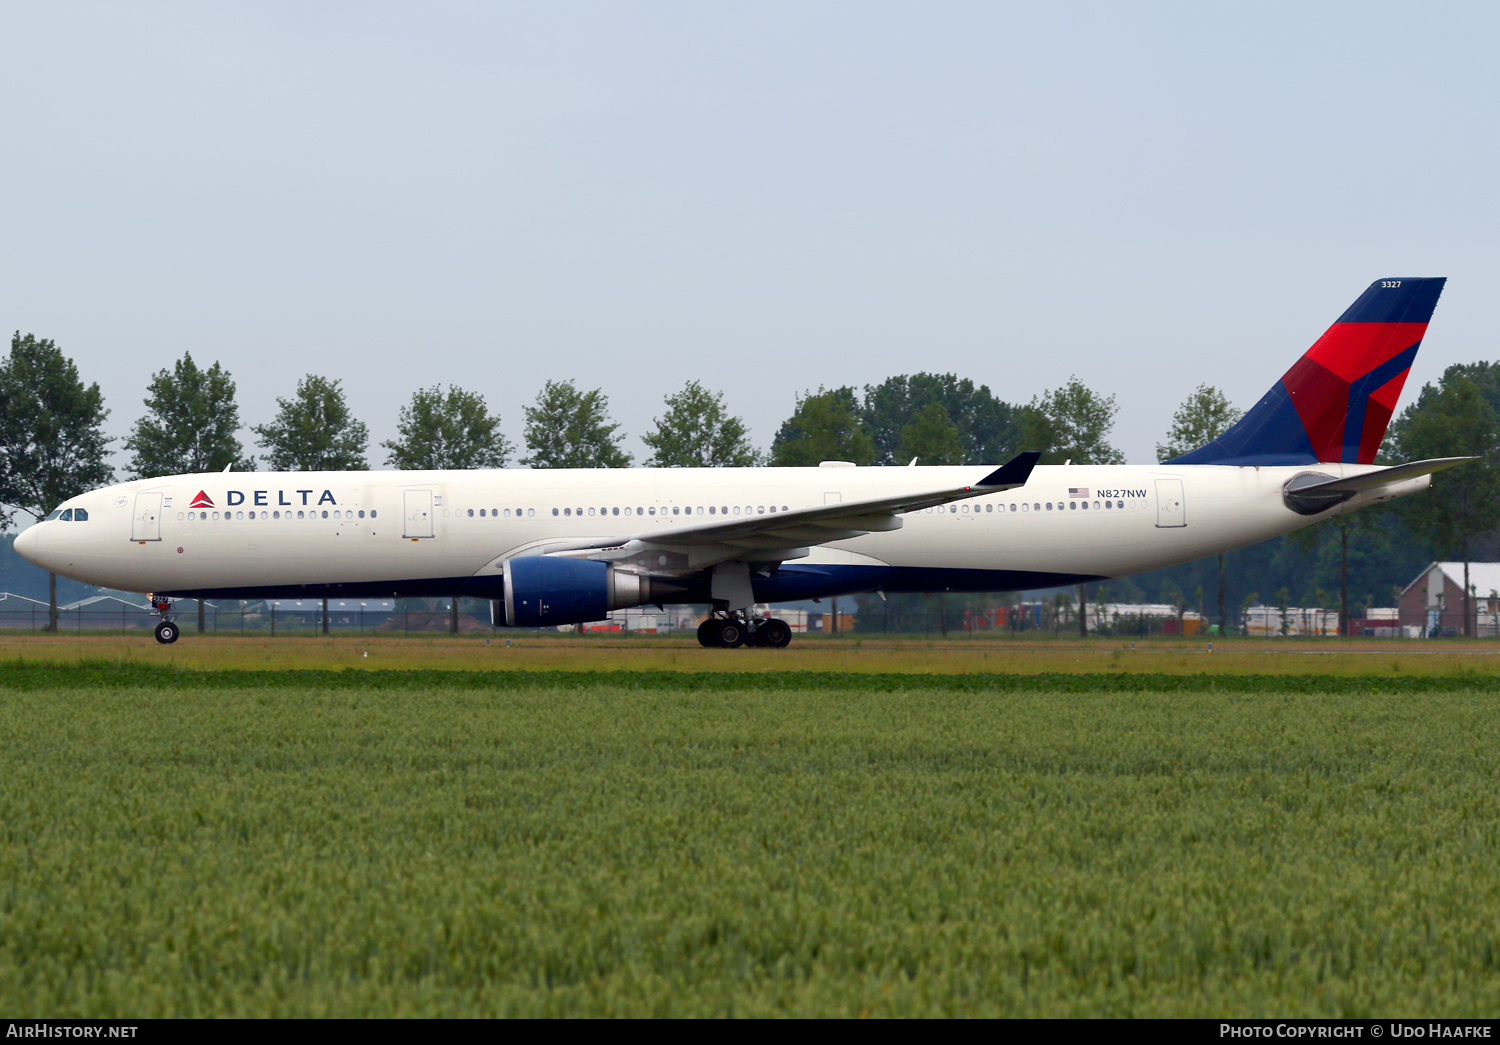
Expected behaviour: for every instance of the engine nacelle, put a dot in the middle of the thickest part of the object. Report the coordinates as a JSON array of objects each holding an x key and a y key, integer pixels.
[{"x": 543, "y": 590}]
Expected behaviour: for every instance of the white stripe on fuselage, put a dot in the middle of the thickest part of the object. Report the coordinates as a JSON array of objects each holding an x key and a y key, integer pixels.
[{"x": 1224, "y": 507}]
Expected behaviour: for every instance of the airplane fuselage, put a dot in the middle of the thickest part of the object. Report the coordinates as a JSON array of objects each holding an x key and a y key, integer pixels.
[{"x": 290, "y": 534}]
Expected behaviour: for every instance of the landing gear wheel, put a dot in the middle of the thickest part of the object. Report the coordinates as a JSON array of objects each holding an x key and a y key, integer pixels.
[
  {"x": 731, "y": 634},
  {"x": 167, "y": 632},
  {"x": 708, "y": 634},
  {"x": 773, "y": 634}
]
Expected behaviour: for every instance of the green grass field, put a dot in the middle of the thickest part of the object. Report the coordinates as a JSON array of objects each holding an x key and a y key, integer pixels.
[{"x": 669, "y": 843}]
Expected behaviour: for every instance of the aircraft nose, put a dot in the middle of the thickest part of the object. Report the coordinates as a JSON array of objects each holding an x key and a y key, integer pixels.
[{"x": 29, "y": 544}]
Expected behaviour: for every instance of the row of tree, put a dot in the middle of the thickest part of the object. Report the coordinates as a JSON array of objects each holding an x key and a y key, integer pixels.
[{"x": 52, "y": 447}]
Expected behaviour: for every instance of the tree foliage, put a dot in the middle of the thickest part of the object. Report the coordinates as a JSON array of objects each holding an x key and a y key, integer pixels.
[
  {"x": 314, "y": 431},
  {"x": 1071, "y": 423},
  {"x": 932, "y": 438},
  {"x": 1203, "y": 417},
  {"x": 453, "y": 430},
  {"x": 52, "y": 441},
  {"x": 190, "y": 425},
  {"x": 698, "y": 431},
  {"x": 1451, "y": 419},
  {"x": 826, "y": 426},
  {"x": 986, "y": 426},
  {"x": 567, "y": 428}
]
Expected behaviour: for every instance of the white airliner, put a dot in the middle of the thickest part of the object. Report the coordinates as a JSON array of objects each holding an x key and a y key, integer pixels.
[{"x": 566, "y": 546}]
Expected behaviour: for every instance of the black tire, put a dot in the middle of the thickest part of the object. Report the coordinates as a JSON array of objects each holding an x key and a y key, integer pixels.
[
  {"x": 708, "y": 634},
  {"x": 167, "y": 632},
  {"x": 774, "y": 634},
  {"x": 732, "y": 634}
]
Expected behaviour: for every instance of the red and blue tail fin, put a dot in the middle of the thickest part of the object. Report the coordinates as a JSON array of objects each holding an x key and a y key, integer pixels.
[{"x": 1335, "y": 403}]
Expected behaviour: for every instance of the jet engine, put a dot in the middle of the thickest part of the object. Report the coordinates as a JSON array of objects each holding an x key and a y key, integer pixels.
[{"x": 545, "y": 590}]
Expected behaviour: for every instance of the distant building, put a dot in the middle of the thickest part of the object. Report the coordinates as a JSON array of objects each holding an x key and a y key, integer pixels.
[
  {"x": 1433, "y": 603},
  {"x": 1271, "y": 621}
]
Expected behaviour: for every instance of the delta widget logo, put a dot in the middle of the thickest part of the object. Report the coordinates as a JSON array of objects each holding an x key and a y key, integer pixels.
[{"x": 202, "y": 501}]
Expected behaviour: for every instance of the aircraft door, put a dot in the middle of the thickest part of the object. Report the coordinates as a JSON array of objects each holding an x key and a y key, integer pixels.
[
  {"x": 145, "y": 525},
  {"x": 418, "y": 506},
  {"x": 1171, "y": 510}
]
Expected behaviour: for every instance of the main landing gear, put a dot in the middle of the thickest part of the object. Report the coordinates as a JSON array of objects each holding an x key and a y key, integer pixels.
[
  {"x": 738, "y": 629},
  {"x": 167, "y": 631}
]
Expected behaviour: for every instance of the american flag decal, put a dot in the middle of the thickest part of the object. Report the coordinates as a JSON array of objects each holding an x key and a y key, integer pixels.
[{"x": 1078, "y": 491}]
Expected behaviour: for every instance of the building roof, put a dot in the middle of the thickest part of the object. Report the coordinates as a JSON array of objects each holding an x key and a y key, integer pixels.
[
  {"x": 339, "y": 605},
  {"x": 6, "y": 596},
  {"x": 1484, "y": 576},
  {"x": 92, "y": 602}
]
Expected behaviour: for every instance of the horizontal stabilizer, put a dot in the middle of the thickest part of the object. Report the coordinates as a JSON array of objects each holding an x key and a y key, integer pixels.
[{"x": 1310, "y": 494}]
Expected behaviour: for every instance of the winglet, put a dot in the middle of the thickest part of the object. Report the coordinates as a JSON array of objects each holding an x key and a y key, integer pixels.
[{"x": 1014, "y": 472}]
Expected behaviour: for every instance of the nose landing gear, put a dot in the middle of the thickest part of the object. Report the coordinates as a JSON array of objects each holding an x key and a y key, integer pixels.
[
  {"x": 739, "y": 629},
  {"x": 167, "y": 631}
]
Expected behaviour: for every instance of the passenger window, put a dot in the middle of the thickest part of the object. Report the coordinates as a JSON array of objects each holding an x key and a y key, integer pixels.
[
  {"x": 1072, "y": 505},
  {"x": 700, "y": 509},
  {"x": 361, "y": 514},
  {"x": 372, "y": 513},
  {"x": 1027, "y": 507},
  {"x": 591, "y": 512},
  {"x": 736, "y": 509},
  {"x": 760, "y": 509},
  {"x": 675, "y": 509},
  {"x": 710, "y": 509},
  {"x": 617, "y": 511},
  {"x": 471, "y": 513}
]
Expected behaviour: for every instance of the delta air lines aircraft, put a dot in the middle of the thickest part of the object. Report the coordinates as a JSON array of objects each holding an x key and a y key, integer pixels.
[{"x": 550, "y": 547}]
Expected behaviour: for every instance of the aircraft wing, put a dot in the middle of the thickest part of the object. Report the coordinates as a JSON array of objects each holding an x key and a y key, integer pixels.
[{"x": 798, "y": 528}]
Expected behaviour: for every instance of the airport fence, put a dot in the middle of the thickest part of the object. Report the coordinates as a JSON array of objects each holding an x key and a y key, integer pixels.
[{"x": 684, "y": 621}]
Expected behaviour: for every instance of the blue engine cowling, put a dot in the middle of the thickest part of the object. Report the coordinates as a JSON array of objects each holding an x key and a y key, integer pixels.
[{"x": 543, "y": 590}]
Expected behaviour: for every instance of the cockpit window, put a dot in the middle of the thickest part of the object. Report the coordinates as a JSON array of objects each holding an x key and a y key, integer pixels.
[
  {"x": 80, "y": 515},
  {"x": 54, "y": 515},
  {"x": 66, "y": 516}
]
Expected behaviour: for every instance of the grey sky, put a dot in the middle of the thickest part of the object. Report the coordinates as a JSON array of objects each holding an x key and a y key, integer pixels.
[{"x": 765, "y": 197}]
